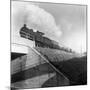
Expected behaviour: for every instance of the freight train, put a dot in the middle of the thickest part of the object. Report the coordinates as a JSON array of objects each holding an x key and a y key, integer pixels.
[{"x": 40, "y": 39}]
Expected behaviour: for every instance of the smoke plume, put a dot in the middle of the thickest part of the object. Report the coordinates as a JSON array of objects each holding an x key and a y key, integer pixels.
[{"x": 35, "y": 17}]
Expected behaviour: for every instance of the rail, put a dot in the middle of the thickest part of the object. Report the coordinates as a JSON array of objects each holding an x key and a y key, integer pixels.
[{"x": 44, "y": 59}]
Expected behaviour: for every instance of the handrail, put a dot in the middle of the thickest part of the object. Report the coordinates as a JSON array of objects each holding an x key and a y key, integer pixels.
[{"x": 44, "y": 59}]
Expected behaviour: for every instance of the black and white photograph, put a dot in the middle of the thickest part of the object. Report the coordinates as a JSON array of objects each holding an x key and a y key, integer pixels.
[{"x": 48, "y": 44}]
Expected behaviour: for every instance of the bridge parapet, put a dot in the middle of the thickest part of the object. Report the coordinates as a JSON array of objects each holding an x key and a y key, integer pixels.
[{"x": 35, "y": 71}]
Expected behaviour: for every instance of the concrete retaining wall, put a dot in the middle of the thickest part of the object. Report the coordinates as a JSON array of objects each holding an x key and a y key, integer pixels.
[{"x": 34, "y": 71}]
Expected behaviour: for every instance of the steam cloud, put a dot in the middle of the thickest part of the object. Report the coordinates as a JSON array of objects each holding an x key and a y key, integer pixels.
[{"x": 35, "y": 17}]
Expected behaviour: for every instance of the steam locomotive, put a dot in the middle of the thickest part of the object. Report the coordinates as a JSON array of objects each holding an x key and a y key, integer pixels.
[{"x": 40, "y": 40}]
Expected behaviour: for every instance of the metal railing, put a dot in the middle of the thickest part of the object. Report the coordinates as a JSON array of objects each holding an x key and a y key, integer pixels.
[{"x": 44, "y": 59}]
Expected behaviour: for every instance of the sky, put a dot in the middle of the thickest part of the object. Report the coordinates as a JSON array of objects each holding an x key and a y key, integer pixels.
[{"x": 63, "y": 23}]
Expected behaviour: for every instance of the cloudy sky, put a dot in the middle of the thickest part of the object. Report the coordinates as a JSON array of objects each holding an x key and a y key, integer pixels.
[{"x": 61, "y": 22}]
